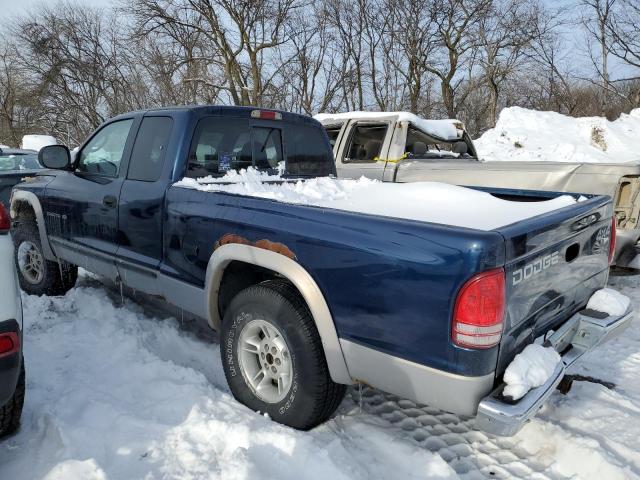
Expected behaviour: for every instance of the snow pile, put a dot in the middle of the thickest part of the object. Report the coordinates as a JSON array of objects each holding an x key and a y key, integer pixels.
[
  {"x": 530, "y": 135},
  {"x": 115, "y": 394},
  {"x": 531, "y": 368},
  {"x": 4, "y": 146},
  {"x": 609, "y": 301},
  {"x": 422, "y": 201},
  {"x": 36, "y": 142},
  {"x": 448, "y": 129}
]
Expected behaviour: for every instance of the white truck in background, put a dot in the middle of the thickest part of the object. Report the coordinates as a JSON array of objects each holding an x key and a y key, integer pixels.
[{"x": 402, "y": 147}]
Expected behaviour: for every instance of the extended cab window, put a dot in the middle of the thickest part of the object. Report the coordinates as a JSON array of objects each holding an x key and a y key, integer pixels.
[
  {"x": 366, "y": 143},
  {"x": 103, "y": 153},
  {"x": 147, "y": 158},
  {"x": 332, "y": 132},
  {"x": 422, "y": 145}
]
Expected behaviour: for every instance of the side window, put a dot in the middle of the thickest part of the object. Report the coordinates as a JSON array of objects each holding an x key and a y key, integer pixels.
[
  {"x": 422, "y": 145},
  {"x": 147, "y": 158},
  {"x": 366, "y": 143},
  {"x": 332, "y": 132},
  {"x": 103, "y": 153}
]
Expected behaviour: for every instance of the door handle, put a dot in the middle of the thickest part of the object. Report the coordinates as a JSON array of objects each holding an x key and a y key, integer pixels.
[{"x": 110, "y": 201}]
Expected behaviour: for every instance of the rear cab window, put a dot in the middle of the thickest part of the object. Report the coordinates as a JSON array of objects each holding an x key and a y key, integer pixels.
[{"x": 223, "y": 144}]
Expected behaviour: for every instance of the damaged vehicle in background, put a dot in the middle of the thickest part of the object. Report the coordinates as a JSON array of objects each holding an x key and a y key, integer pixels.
[{"x": 402, "y": 147}]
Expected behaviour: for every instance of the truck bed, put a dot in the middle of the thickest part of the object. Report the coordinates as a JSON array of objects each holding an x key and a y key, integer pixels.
[{"x": 391, "y": 282}]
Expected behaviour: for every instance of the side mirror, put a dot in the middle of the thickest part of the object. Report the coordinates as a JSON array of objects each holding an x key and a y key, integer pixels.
[{"x": 55, "y": 156}]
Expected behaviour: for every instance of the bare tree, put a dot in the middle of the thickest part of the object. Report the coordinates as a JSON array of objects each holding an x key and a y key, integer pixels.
[
  {"x": 505, "y": 33},
  {"x": 623, "y": 29},
  {"x": 596, "y": 17}
]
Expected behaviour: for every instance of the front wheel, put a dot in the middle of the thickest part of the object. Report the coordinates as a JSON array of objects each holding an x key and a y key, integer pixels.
[
  {"x": 37, "y": 275},
  {"x": 273, "y": 357}
]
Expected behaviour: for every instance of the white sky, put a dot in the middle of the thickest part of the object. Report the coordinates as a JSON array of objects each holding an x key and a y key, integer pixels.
[{"x": 9, "y": 8}]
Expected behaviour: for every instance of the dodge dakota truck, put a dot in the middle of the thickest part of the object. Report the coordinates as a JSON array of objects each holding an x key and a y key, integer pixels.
[
  {"x": 402, "y": 147},
  {"x": 309, "y": 297}
]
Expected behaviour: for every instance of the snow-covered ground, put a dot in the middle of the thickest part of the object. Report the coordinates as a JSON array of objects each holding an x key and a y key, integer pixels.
[
  {"x": 522, "y": 134},
  {"x": 118, "y": 391}
]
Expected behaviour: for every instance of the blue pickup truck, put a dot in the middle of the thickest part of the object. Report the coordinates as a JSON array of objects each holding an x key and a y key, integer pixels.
[{"x": 307, "y": 299}]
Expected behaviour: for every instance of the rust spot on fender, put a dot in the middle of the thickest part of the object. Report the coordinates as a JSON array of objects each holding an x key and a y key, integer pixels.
[{"x": 263, "y": 244}]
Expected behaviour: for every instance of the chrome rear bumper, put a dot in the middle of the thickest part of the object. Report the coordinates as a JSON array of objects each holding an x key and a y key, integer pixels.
[{"x": 579, "y": 335}]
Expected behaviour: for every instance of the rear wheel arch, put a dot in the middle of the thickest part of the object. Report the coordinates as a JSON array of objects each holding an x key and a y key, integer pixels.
[{"x": 282, "y": 267}]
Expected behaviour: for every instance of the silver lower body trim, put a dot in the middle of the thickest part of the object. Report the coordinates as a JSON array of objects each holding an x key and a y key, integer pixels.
[
  {"x": 582, "y": 333},
  {"x": 454, "y": 393}
]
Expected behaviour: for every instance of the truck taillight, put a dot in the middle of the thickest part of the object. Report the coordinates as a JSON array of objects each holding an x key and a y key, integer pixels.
[
  {"x": 479, "y": 311},
  {"x": 5, "y": 220},
  {"x": 9, "y": 343},
  {"x": 612, "y": 240},
  {"x": 266, "y": 115}
]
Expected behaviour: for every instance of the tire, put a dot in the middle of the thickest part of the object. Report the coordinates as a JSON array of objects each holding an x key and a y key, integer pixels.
[
  {"x": 51, "y": 278},
  {"x": 11, "y": 411},
  {"x": 311, "y": 397}
]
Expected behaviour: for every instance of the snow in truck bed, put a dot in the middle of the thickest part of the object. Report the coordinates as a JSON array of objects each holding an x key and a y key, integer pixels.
[{"x": 423, "y": 201}]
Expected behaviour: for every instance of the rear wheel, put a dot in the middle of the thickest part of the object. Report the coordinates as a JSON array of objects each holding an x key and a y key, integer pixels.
[
  {"x": 273, "y": 357},
  {"x": 11, "y": 411},
  {"x": 37, "y": 275}
]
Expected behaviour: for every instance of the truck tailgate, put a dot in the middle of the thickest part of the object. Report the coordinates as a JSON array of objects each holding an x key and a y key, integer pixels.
[{"x": 554, "y": 263}]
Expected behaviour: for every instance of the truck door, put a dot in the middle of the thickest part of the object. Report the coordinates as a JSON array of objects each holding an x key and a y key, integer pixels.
[
  {"x": 142, "y": 198},
  {"x": 366, "y": 143},
  {"x": 81, "y": 207}
]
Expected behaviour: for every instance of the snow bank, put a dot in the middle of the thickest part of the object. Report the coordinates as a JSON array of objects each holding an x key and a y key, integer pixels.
[
  {"x": 448, "y": 129},
  {"x": 610, "y": 301},
  {"x": 531, "y": 368},
  {"x": 5, "y": 146},
  {"x": 422, "y": 201},
  {"x": 36, "y": 142},
  {"x": 530, "y": 135},
  {"x": 115, "y": 394}
]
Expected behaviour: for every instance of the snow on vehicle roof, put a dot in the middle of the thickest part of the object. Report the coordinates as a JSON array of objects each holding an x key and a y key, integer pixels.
[
  {"x": 448, "y": 129},
  {"x": 530, "y": 135},
  {"x": 422, "y": 201},
  {"x": 36, "y": 142}
]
